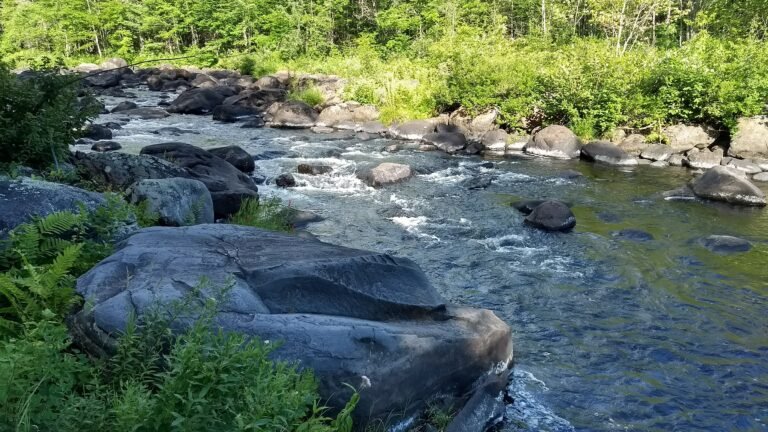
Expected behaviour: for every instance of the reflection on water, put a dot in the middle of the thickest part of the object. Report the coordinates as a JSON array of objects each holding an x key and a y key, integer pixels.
[{"x": 611, "y": 333}]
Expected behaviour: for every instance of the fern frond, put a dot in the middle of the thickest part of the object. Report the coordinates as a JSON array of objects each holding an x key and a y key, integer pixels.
[{"x": 57, "y": 224}]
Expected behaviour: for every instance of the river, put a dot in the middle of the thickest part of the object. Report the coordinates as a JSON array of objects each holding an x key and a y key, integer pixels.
[{"x": 612, "y": 333}]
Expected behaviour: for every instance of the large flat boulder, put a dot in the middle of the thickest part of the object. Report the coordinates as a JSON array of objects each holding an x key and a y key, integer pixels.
[
  {"x": 556, "y": 142},
  {"x": 292, "y": 115},
  {"x": 228, "y": 185},
  {"x": 751, "y": 138},
  {"x": 607, "y": 153},
  {"x": 728, "y": 185},
  {"x": 22, "y": 199},
  {"x": 685, "y": 137},
  {"x": 121, "y": 170},
  {"x": 413, "y": 130},
  {"x": 386, "y": 174},
  {"x": 352, "y": 316}
]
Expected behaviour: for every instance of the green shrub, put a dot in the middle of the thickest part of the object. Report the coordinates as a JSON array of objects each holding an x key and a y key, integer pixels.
[
  {"x": 267, "y": 213},
  {"x": 311, "y": 96},
  {"x": 39, "y": 117}
]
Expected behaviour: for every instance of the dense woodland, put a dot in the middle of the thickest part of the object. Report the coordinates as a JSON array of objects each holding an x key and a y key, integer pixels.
[{"x": 590, "y": 64}]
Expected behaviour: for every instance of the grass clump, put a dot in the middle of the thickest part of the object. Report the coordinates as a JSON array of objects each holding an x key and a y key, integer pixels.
[
  {"x": 311, "y": 96},
  {"x": 267, "y": 213}
]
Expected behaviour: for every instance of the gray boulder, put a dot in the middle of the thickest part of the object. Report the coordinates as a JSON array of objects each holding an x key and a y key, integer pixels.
[
  {"x": 292, "y": 115},
  {"x": 386, "y": 174},
  {"x": 228, "y": 185},
  {"x": 607, "y": 153},
  {"x": 347, "y": 116},
  {"x": 724, "y": 184},
  {"x": 21, "y": 199},
  {"x": 552, "y": 216},
  {"x": 105, "y": 79},
  {"x": 413, "y": 130},
  {"x": 124, "y": 106},
  {"x": 751, "y": 138},
  {"x": 634, "y": 144},
  {"x": 704, "y": 159},
  {"x": 106, "y": 146},
  {"x": 657, "y": 152},
  {"x": 676, "y": 160},
  {"x": 309, "y": 169},
  {"x": 554, "y": 141},
  {"x": 121, "y": 170},
  {"x": 200, "y": 100},
  {"x": 235, "y": 155},
  {"x": 352, "y": 316},
  {"x": 285, "y": 181},
  {"x": 762, "y": 177},
  {"x": 146, "y": 113},
  {"x": 723, "y": 245},
  {"x": 97, "y": 132},
  {"x": 744, "y": 165},
  {"x": 495, "y": 140},
  {"x": 175, "y": 201},
  {"x": 232, "y": 113},
  {"x": 449, "y": 142},
  {"x": 684, "y": 137}
]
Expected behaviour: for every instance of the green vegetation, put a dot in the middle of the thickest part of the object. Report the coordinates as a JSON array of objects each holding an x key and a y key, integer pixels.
[
  {"x": 593, "y": 64},
  {"x": 267, "y": 213},
  {"x": 310, "y": 95},
  {"x": 199, "y": 380},
  {"x": 39, "y": 117}
]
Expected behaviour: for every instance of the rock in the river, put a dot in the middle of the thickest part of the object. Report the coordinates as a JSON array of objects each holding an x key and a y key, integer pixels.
[
  {"x": 228, "y": 185},
  {"x": 495, "y": 140},
  {"x": 704, "y": 159},
  {"x": 232, "y": 113},
  {"x": 124, "y": 106},
  {"x": 449, "y": 142},
  {"x": 97, "y": 132},
  {"x": 526, "y": 206},
  {"x": 174, "y": 131},
  {"x": 347, "y": 116},
  {"x": 146, "y": 113},
  {"x": 351, "y": 316},
  {"x": 676, "y": 160},
  {"x": 657, "y": 152},
  {"x": 554, "y": 141},
  {"x": 200, "y": 100},
  {"x": 21, "y": 199},
  {"x": 751, "y": 138},
  {"x": 235, "y": 155},
  {"x": 762, "y": 177},
  {"x": 313, "y": 169},
  {"x": 120, "y": 170},
  {"x": 106, "y": 146},
  {"x": 285, "y": 181},
  {"x": 292, "y": 115},
  {"x": 175, "y": 201},
  {"x": 552, "y": 216},
  {"x": 608, "y": 153},
  {"x": 386, "y": 174},
  {"x": 724, "y": 184},
  {"x": 105, "y": 79},
  {"x": 744, "y": 165},
  {"x": 684, "y": 137},
  {"x": 477, "y": 182},
  {"x": 634, "y": 144},
  {"x": 721, "y": 244},
  {"x": 413, "y": 130},
  {"x": 256, "y": 123}
]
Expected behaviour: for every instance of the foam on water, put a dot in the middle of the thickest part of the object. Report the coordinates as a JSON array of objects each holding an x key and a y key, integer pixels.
[{"x": 528, "y": 413}]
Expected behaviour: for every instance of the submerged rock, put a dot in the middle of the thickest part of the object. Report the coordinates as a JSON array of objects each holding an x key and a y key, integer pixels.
[
  {"x": 175, "y": 201},
  {"x": 386, "y": 174},
  {"x": 552, "y": 216},
  {"x": 228, "y": 185},
  {"x": 721, "y": 244},
  {"x": 724, "y": 184},
  {"x": 631, "y": 234},
  {"x": 21, "y": 199},
  {"x": 351, "y": 316},
  {"x": 309, "y": 169},
  {"x": 554, "y": 141},
  {"x": 285, "y": 181}
]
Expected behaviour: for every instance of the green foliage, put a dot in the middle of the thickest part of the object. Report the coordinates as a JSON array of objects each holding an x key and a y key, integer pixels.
[
  {"x": 311, "y": 96},
  {"x": 39, "y": 117},
  {"x": 267, "y": 213},
  {"x": 200, "y": 380}
]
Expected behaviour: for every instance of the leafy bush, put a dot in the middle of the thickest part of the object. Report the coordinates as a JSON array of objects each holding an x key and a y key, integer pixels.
[
  {"x": 39, "y": 117},
  {"x": 311, "y": 96},
  {"x": 267, "y": 213},
  {"x": 207, "y": 380}
]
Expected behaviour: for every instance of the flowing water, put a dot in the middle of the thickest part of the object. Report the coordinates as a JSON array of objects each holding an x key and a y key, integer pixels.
[{"x": 610, "y": 333}]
